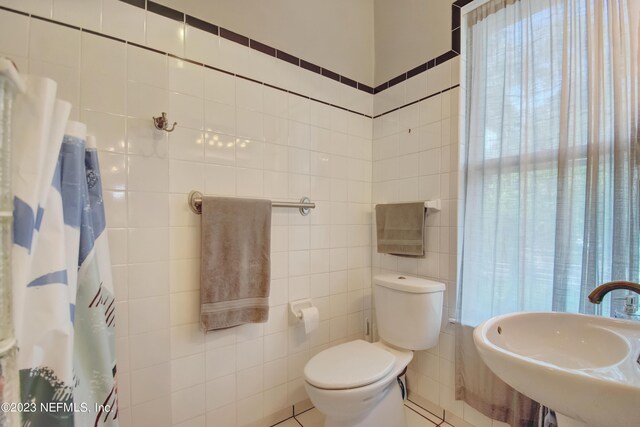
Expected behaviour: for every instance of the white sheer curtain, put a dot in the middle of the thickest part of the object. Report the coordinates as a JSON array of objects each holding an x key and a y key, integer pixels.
[
  {"x": 552, "y": 203},
  {"x": 551, "y": 206}
]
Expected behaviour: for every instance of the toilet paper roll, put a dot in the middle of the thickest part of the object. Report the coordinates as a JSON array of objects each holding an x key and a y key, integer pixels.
[{"x": 311, "y": 319}]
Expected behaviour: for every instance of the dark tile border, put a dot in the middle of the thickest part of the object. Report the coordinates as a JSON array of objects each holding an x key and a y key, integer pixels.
[
  {"x": 445, "y": 57},
  {"x": 165, "y": 11},
  {"x": 136, "y": 3},
  {"x": 365, "y": 88},
  {"x": 234, "y": 37},
  {"x": 381, "y": 87},
  {"x": 201, "y": 25},
  {"x": 455, "y": 42},
  {"x": 291, "y": 59},
  {"x": 330, "y": 74},
  {"x": 462, "y": 3},
  {"x": 455, "y": 16},
  {"x": 150, "y": 49},
  {"x": 288, "y": 57},
  {"x": 399, "y": 79},
  {"x": 455, "y": 37},
  {"x": 416, "y": 101},
  {"x": 311, "y": 67},
  {"x": 268, "y": 50},
  {"x": 417, "y": 70},
  {"x": 349, "y": 82},
  {"x": 455, "y": 50}
]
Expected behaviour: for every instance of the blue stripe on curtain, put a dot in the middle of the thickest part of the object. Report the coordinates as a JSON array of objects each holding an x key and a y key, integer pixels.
[
  {"x": 93, "y": 219},
  {"x": 55, "y": 277},
  {"x": 23, "y": 223},
  {"x": 94, "y": 182},
  {"x": 70, "y": 176},
  {"x": 39, "y": 217},
  {"x": 56, "y": 182}
]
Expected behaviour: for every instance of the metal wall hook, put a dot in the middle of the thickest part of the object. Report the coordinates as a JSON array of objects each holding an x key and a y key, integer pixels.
[{"x": 161, "y": 123}]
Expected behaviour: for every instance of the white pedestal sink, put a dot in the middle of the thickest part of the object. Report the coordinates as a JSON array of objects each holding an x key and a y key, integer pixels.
[{"x": 586, "y": 368}]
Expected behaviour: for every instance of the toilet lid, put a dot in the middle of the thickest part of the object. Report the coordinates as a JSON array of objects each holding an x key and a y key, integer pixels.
[{"x": 350, "y": 365}]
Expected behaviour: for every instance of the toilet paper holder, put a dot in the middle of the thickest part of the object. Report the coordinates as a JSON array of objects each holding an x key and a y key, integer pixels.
[{"x": 295, "y": 307}]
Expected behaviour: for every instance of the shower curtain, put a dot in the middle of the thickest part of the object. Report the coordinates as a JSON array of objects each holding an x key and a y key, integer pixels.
[{"x": 62, "y": 287}]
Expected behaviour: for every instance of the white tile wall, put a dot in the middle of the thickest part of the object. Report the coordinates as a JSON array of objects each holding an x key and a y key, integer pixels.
[
  {"x": 234, "y": 137},
  {"x": 124, "y": 21},
  {"x": 416, "y": 157}
]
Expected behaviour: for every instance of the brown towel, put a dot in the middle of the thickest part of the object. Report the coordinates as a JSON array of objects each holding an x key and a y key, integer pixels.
[
  {"x": 400, "y": 228},
  {"x": 235, "y": 267}
]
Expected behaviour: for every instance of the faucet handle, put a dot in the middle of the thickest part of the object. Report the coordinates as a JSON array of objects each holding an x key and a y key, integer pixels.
[{"x": 630, "y": 303}]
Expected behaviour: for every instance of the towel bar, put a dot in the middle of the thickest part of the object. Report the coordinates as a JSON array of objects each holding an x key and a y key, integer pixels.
[{"x": 305, "y": 205}]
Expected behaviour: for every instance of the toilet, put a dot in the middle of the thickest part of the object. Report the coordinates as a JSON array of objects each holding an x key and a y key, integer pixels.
[{"x": 355, "y": 384}]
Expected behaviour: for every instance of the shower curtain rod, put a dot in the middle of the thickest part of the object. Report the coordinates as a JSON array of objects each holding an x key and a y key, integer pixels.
[{"x": 305, "y": 205}]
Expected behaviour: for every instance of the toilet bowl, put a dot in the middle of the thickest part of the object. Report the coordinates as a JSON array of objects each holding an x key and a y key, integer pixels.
[
  {"x": 367, "y": 394},
  {"x": 355, "y": 384}
]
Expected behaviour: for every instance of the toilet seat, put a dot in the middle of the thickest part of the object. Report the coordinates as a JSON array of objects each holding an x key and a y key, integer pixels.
[{"x": 350, "y": 365}]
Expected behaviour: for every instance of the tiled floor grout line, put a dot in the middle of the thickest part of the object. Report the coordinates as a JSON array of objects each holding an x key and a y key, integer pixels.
[
  {"x": 431, "y": 422},
  {"x": 285, "y": 420},
  {"x": 295, "y": 417},
  {"x": 425, "y": 409},
  {"x": 305, "y": 411},
  {"x": 437, "y": 425}
]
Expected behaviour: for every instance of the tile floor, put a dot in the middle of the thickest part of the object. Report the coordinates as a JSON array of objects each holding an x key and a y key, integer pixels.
[{"x": 416, "y": 417}]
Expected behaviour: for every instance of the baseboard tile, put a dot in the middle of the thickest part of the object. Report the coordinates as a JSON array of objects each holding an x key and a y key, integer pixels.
[
  {"x": 426, "y": 404},
  {"x": 423, "y": 412},
  {"x": 283, "y": 414},
  {"x": 424, "y": 407},
  {"x": 455, "y": 420},
  {"x": 302, "y": 406},
  {"x": 275, "y": 418}
]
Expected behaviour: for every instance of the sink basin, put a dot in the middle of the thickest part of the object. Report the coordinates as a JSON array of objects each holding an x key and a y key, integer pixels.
[{"x": 586, "y": 368}]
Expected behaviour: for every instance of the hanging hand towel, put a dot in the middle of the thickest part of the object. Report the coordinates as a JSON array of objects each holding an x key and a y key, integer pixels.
[
  {"x": 400, "y": 228},
  {"x": 235, "y": 267}
]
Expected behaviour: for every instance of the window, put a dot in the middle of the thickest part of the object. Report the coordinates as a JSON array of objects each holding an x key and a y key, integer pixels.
[{"x": 551, "y": 176}]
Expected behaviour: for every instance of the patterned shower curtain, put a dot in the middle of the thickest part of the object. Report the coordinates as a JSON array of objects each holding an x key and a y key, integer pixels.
[
  {"x": 63, "y": 293},
  {"x": 94, "y": 326}
]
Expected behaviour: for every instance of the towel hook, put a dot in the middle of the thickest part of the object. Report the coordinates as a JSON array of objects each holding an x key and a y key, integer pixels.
[{"x": 162, "y": 123}]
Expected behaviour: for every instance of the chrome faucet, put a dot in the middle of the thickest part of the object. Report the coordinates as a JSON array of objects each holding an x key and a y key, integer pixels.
[{"x": 630, "y": 301}]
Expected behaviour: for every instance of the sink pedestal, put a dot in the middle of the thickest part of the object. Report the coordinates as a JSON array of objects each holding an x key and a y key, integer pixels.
[{"x": 564, "y": 421}]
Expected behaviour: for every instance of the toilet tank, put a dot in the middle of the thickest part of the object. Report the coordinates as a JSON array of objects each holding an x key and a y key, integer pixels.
[{"x": 408, "y": 310}]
